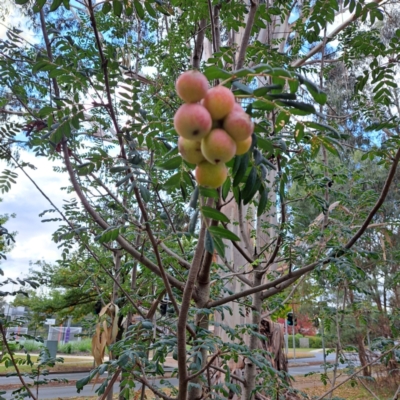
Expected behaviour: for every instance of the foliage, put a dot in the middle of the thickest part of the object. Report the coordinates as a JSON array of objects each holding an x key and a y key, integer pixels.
[{"x": 97, "y": 93}]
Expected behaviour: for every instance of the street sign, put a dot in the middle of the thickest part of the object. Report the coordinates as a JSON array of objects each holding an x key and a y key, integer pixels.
[{"x": 50, "y": 321}]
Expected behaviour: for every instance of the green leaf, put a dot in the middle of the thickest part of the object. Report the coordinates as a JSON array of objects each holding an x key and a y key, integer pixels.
[
  {"x": 20, "y": 2},
  {"x": 226, "y": 187},
  {"x": 150, "y": 9},
  {"x": 262, "y": 68},
  {"x": 318, "y": 95},
  {"x": 106, "y": 8},
  {"x": 298, "y": 132},
  {"x": 285, "y": 96},
  {"x": 265, "y": 144},
  {"x": 124, "y": 179},
  {"x": 240, "y": 73},
  {"x": 328, "y": 145},
  {"x": 173, "y": 181},
  {"x": 299, "y": 105},
  {"x": 241, "y": 87},
  {"x": 266, "y": 89},
  {"x": 85, "y": 168},
  {"x": 324, "y": 128},
  {"x": 122, "y": 168},
  {"x": 214, "y": 214},
  {"x": 209, "y": 243},
  {"x": 315, "y": 145},
  {"x": 208, "y": 192},
  {"x": 117, "y": 8},
  {"x": 193, "y": 222},
  {"x": 251, "y": 186},
  {"x": 219, "y": 246},
  {"x": 145, "y": 193},
  {"x": 214, "y": 72},
  {"x": 139, "y": 9},
  {"x": 194, "y": 198},
  {"x": 281, "y": 120},
  {"x": 241, "y": 172},
  {"x": 266, "y": 105},
  {"x": 223, "y": 233},
  {"x": 262, "y": 202},
  {"x": 172, "y": 163},
  {"x": 55, "y": 5}
]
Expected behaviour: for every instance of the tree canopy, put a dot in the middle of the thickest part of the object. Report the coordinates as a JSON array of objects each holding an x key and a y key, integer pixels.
[{"x": 313, "y": 197}]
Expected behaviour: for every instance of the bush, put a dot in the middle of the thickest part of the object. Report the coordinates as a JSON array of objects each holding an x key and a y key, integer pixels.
[
  {"x": 82, "y": 346},
  {"x": 32, "y": 345},
  {"x": 315, "y": 341}
]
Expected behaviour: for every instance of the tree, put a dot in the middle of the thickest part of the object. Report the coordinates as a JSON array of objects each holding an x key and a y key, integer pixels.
[{"x": 83, "y": 97}]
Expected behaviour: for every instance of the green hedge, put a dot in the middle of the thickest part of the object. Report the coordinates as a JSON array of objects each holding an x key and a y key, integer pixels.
[{"x": 315, "y": 341}]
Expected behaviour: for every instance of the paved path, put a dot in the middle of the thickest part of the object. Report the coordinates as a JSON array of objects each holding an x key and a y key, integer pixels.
[{"x": 298, "y": 367}]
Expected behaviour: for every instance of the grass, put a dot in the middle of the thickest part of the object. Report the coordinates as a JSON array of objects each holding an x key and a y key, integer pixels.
[
  {"x": 300, "y": 353},
  {"x": 82, "y": 346},
  {"x": 383, "y": 388},
  {"x": 69, "y": 364}
]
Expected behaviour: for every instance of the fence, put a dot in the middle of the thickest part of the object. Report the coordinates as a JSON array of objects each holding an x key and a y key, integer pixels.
[
  {"x": 14, "y": 332},
  {"x": 64, "y": 334}
]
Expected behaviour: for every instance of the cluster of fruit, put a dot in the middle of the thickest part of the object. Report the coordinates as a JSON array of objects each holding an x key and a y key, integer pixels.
[{"x": 212, "y": 128}]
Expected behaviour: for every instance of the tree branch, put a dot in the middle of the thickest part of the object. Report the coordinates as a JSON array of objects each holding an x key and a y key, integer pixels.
[
  {"x": 301, "y": 271},
  {"x": 24, "y": 384},
  {"x": 247, "y": 32},
  {"x": 198, "y": 46},
  {"x": 210, "y": 361},
  {"x": 357, "y": 372},
  {"x": 317, "y": 48}
]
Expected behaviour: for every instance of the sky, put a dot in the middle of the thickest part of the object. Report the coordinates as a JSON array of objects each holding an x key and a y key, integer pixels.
[{"x": 33, "y": 239}]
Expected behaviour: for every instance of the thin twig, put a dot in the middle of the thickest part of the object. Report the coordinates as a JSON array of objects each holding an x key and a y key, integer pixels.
[
  {"x": 78, "y": 235},
  {"x": 110, "y": 384},
  {"x": 24, "y": 384},
  {"x": 358, "y": 371},
  {"x": 210, "y": 361},
  {"x": 368, "y": 389},
  {"x": 241, "y": 380}
]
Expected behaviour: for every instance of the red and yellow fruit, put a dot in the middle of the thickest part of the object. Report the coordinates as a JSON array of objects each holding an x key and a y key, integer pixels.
[
  {"x": 211, "y": 175},
  {"x": 243, "y": 146},
  {"x": 192, "y": 121},
  {"x": 211, "y": 132},
  {"x": 218, "y": 147},
  {"x": 239, "y": 125},
  {"x": 190, "y": 150},
  {"x": 219, "y": 102},
  {"x": 191, "y": 86}
]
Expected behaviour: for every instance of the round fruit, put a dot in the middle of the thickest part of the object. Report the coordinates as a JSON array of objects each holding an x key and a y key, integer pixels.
[
  {"x": 190, "y": 150},
  {"x": 218, "y": 147},
  {"x": 191, "y": 86},
  {"x": 243, "y": 146},
  {"x": 192, "y": 121},
  {"x": 237, "y": 107},
  {"x": 219, "y": 101},
  {"x": 211, "y": 175},
  {"x": 239, "y": 125}
]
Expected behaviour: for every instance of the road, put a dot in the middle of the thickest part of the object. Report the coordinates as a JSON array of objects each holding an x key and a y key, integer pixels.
[{"x": 297, "y": 367}]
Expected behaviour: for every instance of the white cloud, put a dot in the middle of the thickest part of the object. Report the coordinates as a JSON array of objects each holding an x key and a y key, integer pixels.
[{"x": 34, "y": 238}]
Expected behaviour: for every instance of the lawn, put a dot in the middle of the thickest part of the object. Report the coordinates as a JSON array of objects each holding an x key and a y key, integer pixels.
[{"x": 69, "y": 364}]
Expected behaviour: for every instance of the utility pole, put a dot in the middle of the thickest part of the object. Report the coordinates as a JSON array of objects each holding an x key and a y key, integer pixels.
[
  {"x": 286, "y": 339},
  {"x": 321, "y": 321},
  {"x": 294, "y": 344}
]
